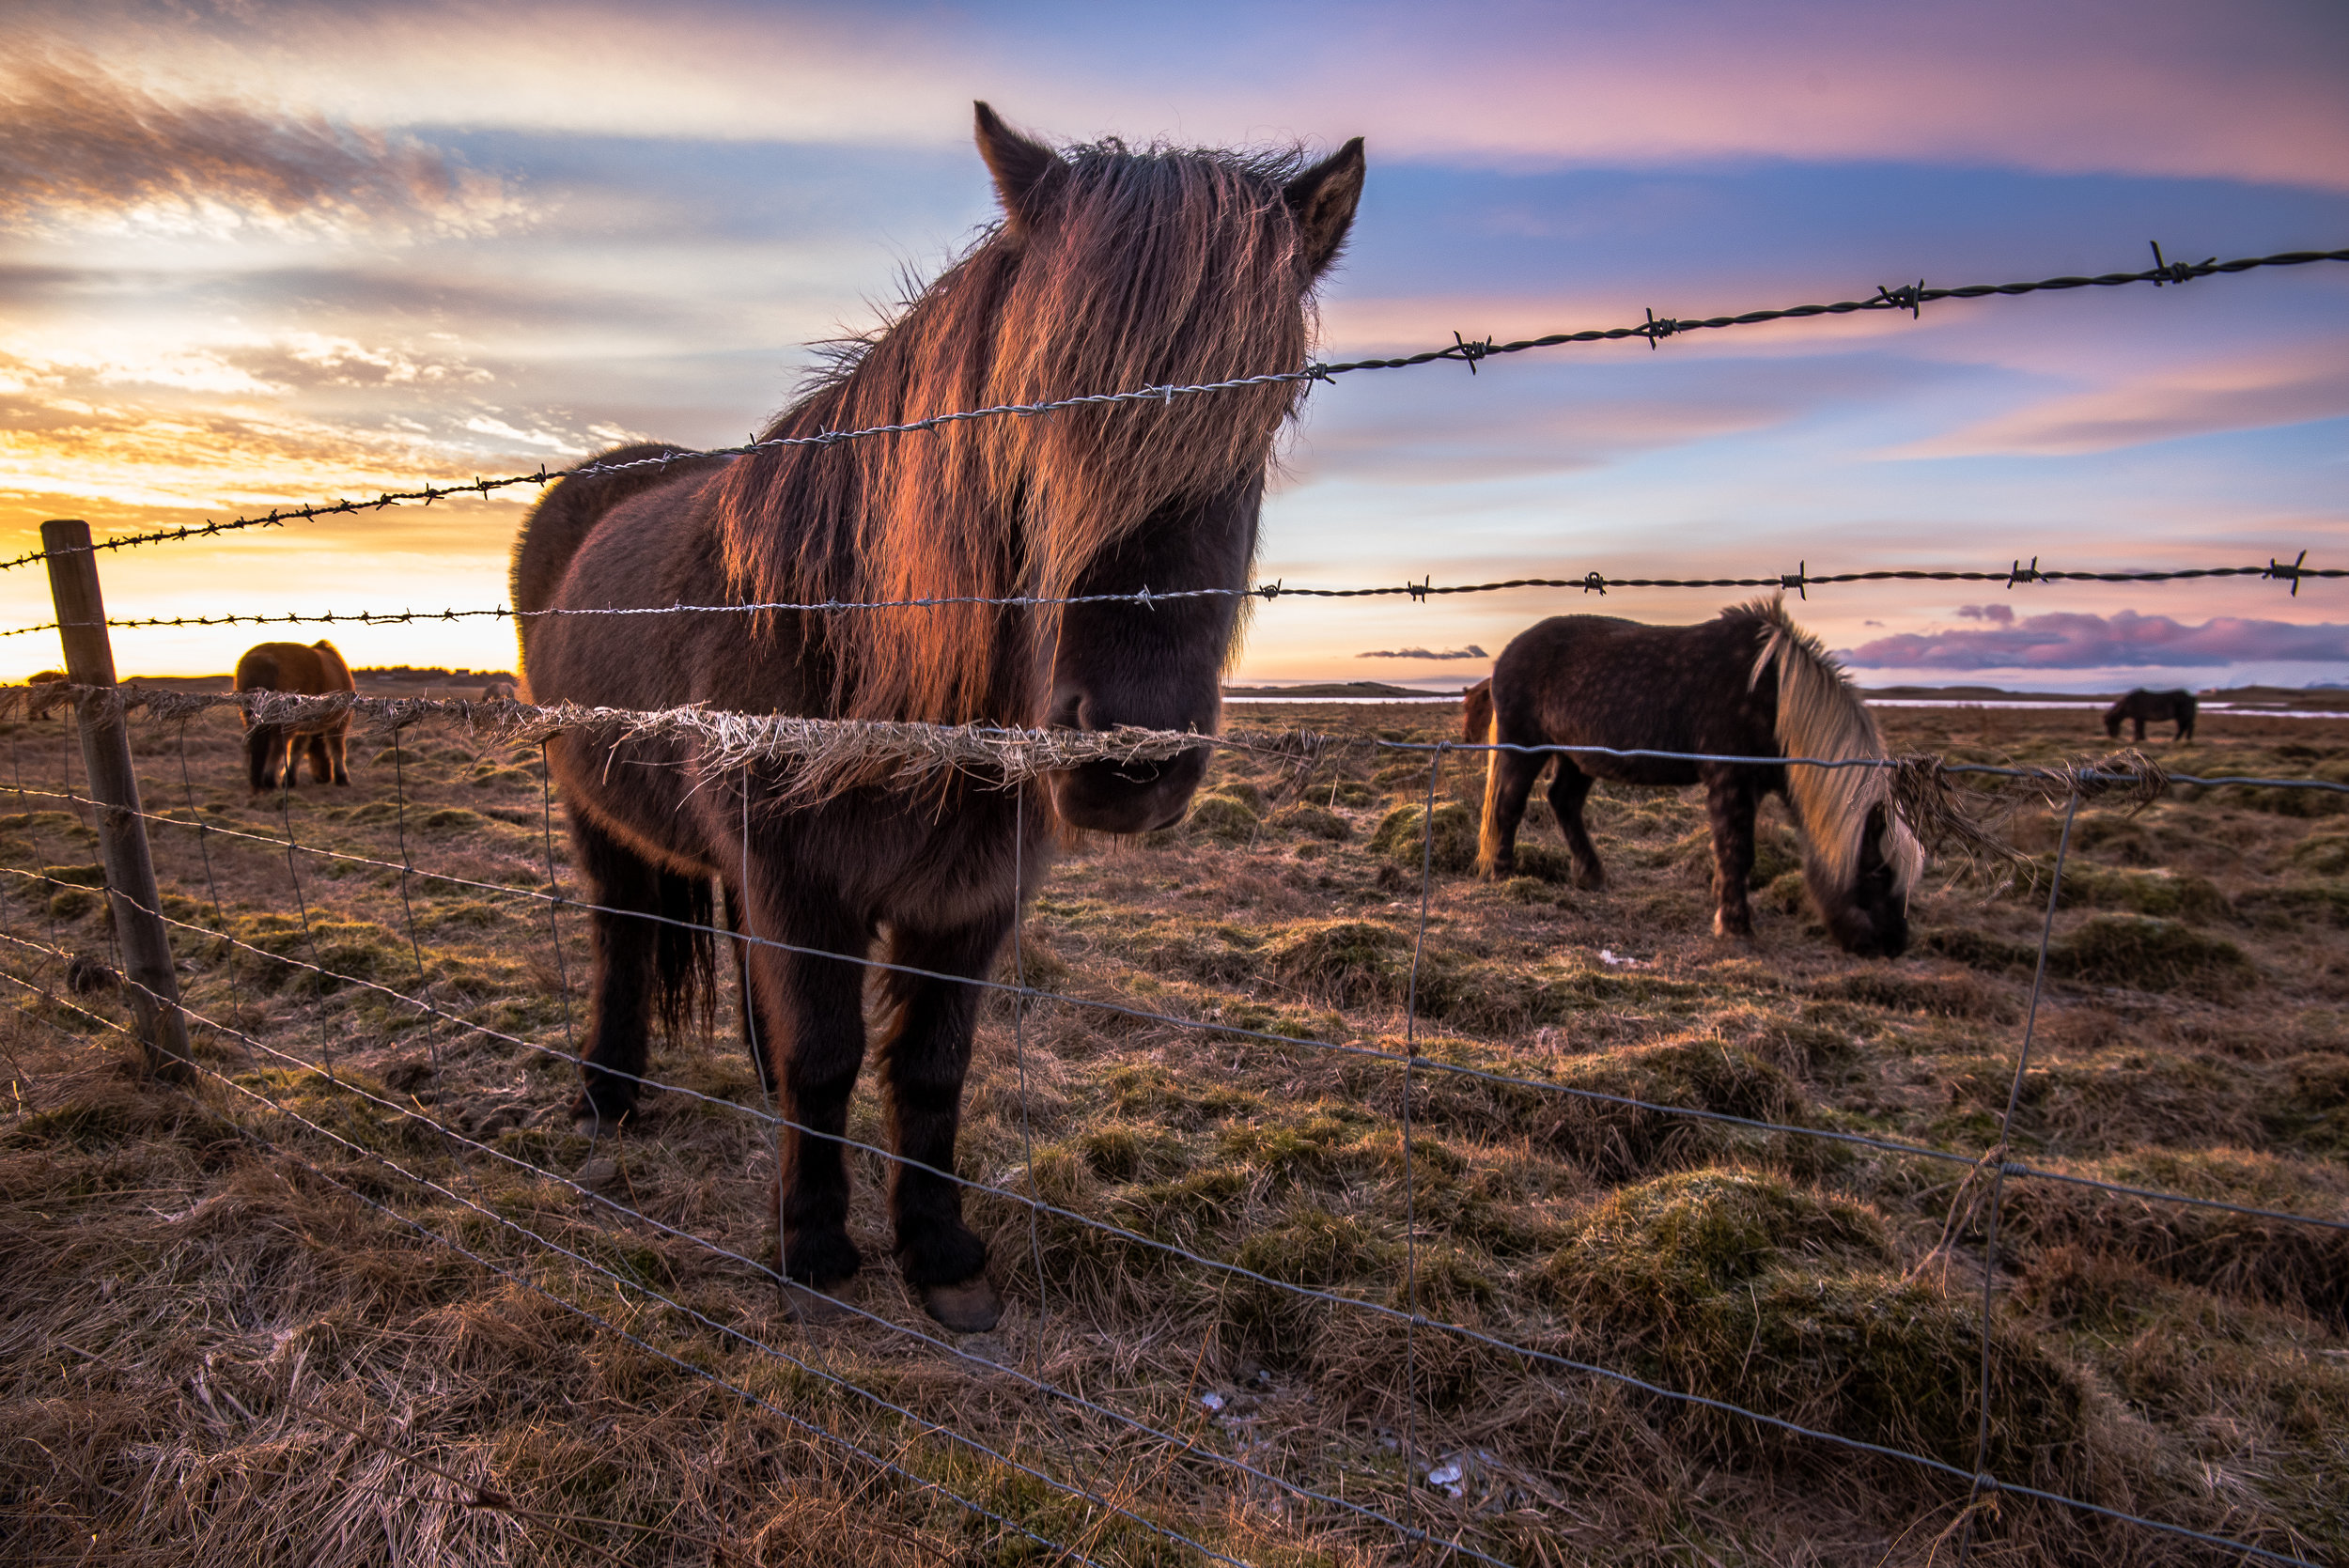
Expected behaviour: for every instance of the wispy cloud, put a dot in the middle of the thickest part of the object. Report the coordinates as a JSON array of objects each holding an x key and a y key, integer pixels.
[
  {"x": 82, "y": 147},
  {"x": 2177, "y": 88},
  {"x": 1472, "y": 651},
  {"x": 2191, "y": 400},
  {"x": 2120, "y": 641}
]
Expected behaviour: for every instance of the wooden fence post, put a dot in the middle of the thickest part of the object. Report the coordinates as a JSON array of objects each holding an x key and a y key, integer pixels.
[{"x": 136, "y": 905}]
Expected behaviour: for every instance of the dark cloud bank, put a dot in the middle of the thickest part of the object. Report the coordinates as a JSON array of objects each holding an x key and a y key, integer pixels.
[
  {"x": 2120, "y": 641},
  {"x": 1472, "y": 651}
]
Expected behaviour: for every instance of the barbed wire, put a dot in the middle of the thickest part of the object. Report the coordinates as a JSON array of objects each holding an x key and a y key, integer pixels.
[
  {"x": 1911, "y": 298},
  {"x": 1800, "y": 582}
]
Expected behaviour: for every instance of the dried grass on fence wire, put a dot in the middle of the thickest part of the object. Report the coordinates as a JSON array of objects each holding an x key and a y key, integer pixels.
[{"x": 828, "y": 756}]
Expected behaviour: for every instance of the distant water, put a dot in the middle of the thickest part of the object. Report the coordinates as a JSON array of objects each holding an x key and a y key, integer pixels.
[{"x": 2073, "y": 704}]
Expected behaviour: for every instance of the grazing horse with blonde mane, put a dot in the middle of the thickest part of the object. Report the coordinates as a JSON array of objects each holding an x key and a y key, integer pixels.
[
  {"x": 1112, "y": 269},
  {"x": 1749, "y": 683}
]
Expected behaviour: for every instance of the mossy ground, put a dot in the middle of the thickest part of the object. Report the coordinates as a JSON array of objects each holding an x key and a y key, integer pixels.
[{"x": 208, "y": 1354}]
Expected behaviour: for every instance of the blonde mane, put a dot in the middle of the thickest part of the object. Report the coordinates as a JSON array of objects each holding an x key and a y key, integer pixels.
[{"x": 1820, "y": 715}]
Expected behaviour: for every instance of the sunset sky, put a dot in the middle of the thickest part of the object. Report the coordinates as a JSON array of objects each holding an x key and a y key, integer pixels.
[{"x": 256, "y": 255}]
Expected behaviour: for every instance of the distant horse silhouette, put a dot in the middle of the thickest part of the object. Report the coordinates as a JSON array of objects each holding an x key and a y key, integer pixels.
[
  {"x": 272, "y": 750},
  {"x": 1748, "y": 683},
  {"x": 1112, "y": 269},
  {"x": 2153, "y": 708}
]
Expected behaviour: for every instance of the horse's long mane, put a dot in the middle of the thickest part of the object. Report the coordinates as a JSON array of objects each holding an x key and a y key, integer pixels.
[
  {"x": 1143, "y": 268},
  {"x": 1821, "y": 715}
]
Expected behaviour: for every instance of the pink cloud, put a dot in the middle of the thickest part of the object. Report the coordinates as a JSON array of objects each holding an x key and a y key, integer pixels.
[
  {"x": 2164, "y": 404},
  {"x": 2120, "y": 641}
]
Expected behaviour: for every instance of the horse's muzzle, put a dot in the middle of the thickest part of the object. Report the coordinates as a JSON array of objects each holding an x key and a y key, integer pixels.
[{"x": 1138, "y": 796}]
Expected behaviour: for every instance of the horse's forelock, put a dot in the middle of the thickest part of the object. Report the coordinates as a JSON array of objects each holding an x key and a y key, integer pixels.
[
  {"x": 1151, "y": 267},
  {"x": 1821, "y": 715}
]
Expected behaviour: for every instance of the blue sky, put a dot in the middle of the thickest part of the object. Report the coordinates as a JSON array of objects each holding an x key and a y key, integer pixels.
[{"x": 257, "y": 255}]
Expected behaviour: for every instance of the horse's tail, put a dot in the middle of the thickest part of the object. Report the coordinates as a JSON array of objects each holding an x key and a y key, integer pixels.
[
  {"x": 1820, "y": 715},
  {"x": 684, "y": 954},
  {"x": 1489, "y": 825}
]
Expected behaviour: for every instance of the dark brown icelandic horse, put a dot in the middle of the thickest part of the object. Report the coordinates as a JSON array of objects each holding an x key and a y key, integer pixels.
[
  {"x": 1112, "y": 269},
  {"x": 272, "y": 750},
  {"x": 1749, "y": 683},
  {"x": 2153, "y": 708}
]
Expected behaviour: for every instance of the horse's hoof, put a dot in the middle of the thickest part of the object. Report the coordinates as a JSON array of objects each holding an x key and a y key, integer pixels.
[
  {"x": 588, "y": 1122},
  {"x": 818, "y": 1307},
  {"x": 968, "y": 1308}
]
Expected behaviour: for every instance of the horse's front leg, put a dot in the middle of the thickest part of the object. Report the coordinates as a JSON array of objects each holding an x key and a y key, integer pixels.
[
  {"x": 264, "y": 747},
  {"x": 623, "y": 890},
  {"x": 809, "y": 1020},
  {"x": 1730, "y": 800},
  {"x": 923, "y": 1061}
]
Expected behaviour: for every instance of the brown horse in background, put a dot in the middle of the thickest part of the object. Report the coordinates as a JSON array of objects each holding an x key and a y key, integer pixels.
[
  {"x": 271, "y": 749},
  {"x": 1112, "y": 269},
  {"x": 1749, "y": 683}
]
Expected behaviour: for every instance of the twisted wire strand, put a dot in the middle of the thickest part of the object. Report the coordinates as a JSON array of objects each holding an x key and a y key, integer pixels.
[
  {"x": 1470, "y": 352},
  {"x": 1997, "y": 1182}
]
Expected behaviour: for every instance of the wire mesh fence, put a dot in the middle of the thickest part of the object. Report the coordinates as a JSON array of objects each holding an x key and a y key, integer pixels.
[{"x": 312, "y": 1124}]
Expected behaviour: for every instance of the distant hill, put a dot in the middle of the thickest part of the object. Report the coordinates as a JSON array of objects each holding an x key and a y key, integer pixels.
[{"x": 1338, "y": 689}]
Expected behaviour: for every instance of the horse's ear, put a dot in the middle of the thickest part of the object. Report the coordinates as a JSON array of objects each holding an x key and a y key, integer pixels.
[
  {"x": 1024, "y": 170},
  {"x": 1323, "y": 198}
]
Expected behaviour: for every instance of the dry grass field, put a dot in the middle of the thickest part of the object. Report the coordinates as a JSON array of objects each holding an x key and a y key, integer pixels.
[{"x": 221, "y": 1343}]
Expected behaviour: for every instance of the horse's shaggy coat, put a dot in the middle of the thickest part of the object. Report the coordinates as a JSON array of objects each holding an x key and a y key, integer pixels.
[
  {"x": 2153, "y": 708},
  {"x": 272, "y": 750},
  {"x": 1112, "y": 269},
  {"x": 1749, "y": 683}
]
